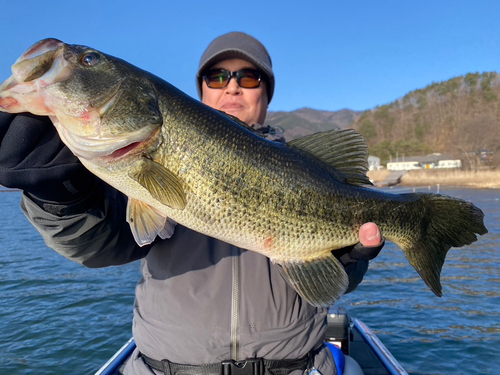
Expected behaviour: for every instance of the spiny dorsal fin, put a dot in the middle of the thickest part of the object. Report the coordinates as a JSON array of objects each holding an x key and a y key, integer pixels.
[
  {"x": 162, "y": 184},
  {"x": 345, "y": 150},
  {"x": 146, "y": 223}
]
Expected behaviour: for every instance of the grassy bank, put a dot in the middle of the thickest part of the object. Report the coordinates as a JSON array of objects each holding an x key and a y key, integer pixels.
[{"x": 477, "y": 179}]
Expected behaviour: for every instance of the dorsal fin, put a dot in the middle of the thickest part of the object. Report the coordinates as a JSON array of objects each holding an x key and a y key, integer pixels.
[{"x": 345, "y": 150}]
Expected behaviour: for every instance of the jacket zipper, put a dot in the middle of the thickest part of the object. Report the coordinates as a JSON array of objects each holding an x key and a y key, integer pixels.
[{"x": 235, "y": 304}]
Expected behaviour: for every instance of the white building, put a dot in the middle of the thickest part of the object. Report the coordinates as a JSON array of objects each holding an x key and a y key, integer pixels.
[
  {"x": 424, "y": 162},
  {"x": 403, "y": 165},
  {"x": 449, "y": 164}
]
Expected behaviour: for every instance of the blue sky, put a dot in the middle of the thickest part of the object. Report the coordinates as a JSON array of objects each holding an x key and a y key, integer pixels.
[{"x": 327, "y": 55}]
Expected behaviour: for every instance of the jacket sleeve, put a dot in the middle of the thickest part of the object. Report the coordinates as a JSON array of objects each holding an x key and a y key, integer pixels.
[
  {"x": 356, "y": 271},
  {"x": 97, "y": 237}
]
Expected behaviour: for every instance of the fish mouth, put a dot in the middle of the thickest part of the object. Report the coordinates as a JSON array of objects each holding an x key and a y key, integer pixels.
[
  {"x": 124, "y": 150},
  {"x": 38, "y": 67},
  {"x": 40, "y": 47},
  {"x": 36, "y": 61}
]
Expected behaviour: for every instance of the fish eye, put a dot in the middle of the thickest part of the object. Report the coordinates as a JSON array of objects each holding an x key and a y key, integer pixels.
[{"x": 90, "y": 59}]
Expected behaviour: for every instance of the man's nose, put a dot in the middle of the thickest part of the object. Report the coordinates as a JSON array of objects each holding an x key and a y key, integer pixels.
[{"x": 233, "y": 88}]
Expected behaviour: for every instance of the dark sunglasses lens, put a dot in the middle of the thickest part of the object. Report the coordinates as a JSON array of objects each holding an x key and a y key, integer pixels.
[
  {"x": 248, "y": 78},
  {"x": 217, "y": 79}
]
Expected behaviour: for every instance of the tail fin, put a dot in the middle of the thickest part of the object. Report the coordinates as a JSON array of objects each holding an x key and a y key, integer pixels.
[{"x": 448, "y": 222}]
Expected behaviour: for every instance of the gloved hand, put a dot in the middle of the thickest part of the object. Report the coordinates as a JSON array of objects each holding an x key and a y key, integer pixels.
[
  {"x": 34, "y": 159},
  {"x": 371, "y": 242}
]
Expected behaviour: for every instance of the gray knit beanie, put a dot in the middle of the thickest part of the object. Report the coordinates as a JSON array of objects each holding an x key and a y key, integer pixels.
[{"x": 237, "y": 45}]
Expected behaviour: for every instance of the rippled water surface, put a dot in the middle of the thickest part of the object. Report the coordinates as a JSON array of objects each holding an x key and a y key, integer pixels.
[
  {"x": 458, "y": 333},
  {"x": 57, "y": 317}
]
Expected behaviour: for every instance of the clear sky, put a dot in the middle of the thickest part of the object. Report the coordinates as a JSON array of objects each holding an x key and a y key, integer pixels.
[{"x": 327, "y": 55}]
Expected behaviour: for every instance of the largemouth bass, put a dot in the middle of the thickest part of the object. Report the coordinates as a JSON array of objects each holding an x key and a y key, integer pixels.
[{"x": 177, "y": 159}]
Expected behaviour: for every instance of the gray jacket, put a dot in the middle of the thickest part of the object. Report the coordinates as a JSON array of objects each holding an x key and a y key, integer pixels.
[{"x": 200, "y": 300}]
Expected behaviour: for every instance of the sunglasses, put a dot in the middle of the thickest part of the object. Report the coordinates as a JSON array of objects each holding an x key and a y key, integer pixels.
[{"x": 219, "y": 78}]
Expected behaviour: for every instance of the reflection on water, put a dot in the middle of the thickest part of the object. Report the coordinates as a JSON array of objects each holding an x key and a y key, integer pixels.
[
  {"x": 455, "y": 334},
  {"x": 56, "y": 315}
]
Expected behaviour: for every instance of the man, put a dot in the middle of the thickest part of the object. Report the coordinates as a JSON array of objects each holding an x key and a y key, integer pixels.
[{"x": 200, "y": 301}]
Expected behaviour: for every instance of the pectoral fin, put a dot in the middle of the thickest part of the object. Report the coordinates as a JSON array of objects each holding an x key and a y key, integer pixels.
[
  {"x": 320, "y": 281},
  {"x": 146, "y": 223},
  {"x": 161, "y": 183}
]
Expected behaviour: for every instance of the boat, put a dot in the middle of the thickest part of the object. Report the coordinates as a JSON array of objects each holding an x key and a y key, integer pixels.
[{"x": 348, "y": 337}]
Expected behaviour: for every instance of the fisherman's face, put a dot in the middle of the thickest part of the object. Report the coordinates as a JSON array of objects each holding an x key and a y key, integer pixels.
[{"x": 249, "y": 105}]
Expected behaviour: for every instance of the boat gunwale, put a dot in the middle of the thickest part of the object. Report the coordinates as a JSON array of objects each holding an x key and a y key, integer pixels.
[{"x": 383, "y": 354}]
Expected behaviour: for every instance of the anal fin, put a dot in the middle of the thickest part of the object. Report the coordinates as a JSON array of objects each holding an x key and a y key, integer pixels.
[
  {"x": 146, "y": 223},
  {"x": 320, "y": 281}
]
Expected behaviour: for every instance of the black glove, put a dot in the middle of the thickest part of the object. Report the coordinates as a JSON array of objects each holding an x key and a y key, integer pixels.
[
  {"x": 34, "y": 159},
  {"x": 357, "y": 252}
]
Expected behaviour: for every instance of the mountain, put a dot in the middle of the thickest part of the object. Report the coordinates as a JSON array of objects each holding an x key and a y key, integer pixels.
[
  {"x": 459, "y": 116},
  {"x": 306, "y": 121}
]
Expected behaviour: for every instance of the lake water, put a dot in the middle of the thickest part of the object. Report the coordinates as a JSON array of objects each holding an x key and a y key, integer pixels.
[{"x": 57, "y": 317}]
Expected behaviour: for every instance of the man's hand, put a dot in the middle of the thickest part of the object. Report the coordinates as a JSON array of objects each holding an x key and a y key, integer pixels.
[
  {"x": 369, "y": 235},
  {"x": 369, "y": 246},
  {"x": 34, "y": 159}
]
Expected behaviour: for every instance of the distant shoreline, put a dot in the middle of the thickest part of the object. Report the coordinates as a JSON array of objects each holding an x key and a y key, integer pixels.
[{"x": 482, "y": 179}]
